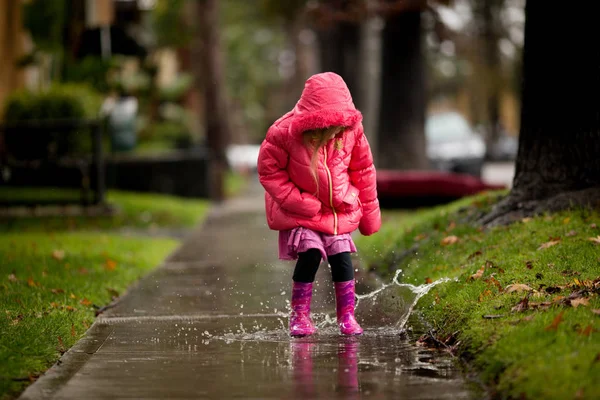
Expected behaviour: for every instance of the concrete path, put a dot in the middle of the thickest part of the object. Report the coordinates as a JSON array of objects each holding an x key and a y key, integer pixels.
[{"x": 211, "y": 323}]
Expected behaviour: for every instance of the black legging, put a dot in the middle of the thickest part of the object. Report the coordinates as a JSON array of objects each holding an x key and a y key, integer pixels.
[{"x": 309, "y": 261}]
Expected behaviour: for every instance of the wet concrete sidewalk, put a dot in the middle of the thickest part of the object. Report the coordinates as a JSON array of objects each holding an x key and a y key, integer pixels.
[{"x": 211, "y": 322}]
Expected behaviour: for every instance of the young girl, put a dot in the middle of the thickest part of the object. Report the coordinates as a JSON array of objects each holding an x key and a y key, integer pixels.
[{"x": 317, "y": 170}]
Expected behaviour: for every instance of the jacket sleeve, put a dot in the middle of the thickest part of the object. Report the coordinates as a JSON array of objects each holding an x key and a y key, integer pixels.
[
  {"x": 363, "y": 177},
  {"x": 272, "y": 163}
]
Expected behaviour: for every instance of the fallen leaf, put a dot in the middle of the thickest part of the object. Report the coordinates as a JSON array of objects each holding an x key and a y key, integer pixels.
[
  {"x": 16, "y": 320},
  {"x": 554, "y": 325},
  {"x": 110, "y": 265},
  {"x": 477, "y": 274},
  {"x": 526, "y": 220},
  {"x": 541, "y": 306},
  {"x": 522, "y": 305},
  {"x": 552, "y": 289},
  {"x": 70, "y": 308},
  {"x": 517, "y": 287},
  {"x": 62, "y": 348},
  {"x": 12, "y": 278},
  {"x": 493, "y": 316},
  {"x": 54, "y": 305},
  {"x": 529, "y": 264},
  {"x": 593, "y": 226},
  {"x": 57, "y": 291},
  {"x": 58, "y": 254},
  {"x": 596, "y": 311},
  {"x": 548, "y": 244},
  {"x": 566, "y": 220},
  {"x": 31, "y": 282},
  {"x": 529, "y": 317},
  {"x": 420, "y": 236},
  {"x": 73, "y": 296},
  {"x": 495, "y": 282},
  {"x": 571, "y": 233},
  {"x": 485, "y": 293},
  {"x": 568, "y": 272},
  {"x": 477, "y": 253},
  {"x": 451, "y": 226},
  {"x": 448, "y": 240},
  {"x": 428, "y": 280},
  {"x": 582, "y": 301},
  {"x": 587, "y": 331},
  {"x": 437, "y": 299},
  {"x": 85, "y": 302},
  {"x": 596, "y": 239},
  {"x": 73, "y": 334}
]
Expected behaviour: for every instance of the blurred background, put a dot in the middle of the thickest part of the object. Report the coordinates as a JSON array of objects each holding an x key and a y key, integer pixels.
[{"x": 186, "y": 90}]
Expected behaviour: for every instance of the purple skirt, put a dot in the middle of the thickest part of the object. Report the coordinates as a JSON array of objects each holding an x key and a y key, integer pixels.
[{"x": 299, "y": 240}]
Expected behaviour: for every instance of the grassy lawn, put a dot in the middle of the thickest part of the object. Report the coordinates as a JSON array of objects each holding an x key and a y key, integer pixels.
[
  {"x": 134, "y": 210},
  {"x": 524, "y": 311},
  {"x": 55, "y": 272}
]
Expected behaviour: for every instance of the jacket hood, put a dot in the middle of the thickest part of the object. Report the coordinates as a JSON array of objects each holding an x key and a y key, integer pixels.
[{"x": 325, "y": 102}]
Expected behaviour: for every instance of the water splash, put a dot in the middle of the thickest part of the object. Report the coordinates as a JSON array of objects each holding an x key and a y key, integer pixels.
[{"x": 418, "y": 292}]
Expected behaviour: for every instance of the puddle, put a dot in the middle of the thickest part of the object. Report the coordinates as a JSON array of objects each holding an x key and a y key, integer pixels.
[{"x": 382, "y": 312}]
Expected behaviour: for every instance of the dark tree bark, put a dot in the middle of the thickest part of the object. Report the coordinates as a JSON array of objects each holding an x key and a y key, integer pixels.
[
  {"x": 210, "y": 73},
  {"x": 491, "y": 36},
  {"x": 401, "y": 138},
  {"x": 339, "y": 48},
  {"x": 558, "y": 164}
]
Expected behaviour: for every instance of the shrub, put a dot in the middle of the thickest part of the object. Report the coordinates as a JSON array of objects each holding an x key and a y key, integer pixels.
[{"x": 59, "y": 102}]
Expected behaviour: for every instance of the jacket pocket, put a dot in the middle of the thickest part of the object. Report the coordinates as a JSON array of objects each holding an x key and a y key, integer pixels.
[{"x": 351, "y": 200}]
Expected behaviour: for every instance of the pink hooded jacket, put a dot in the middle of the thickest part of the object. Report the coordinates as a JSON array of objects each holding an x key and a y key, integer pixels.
[{"x": 347, "y": 195}]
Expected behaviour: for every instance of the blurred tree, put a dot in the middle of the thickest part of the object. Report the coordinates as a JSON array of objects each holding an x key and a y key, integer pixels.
[
  {"x": 210, "y": 72},
  {"x": 293, "y": 16},
  {"x": 338, "y": 27},
  {"x": 401, "y": 138},
  {"x": 557, "y": 165},
  {"x": 169, "y": 24},
  {"x": 46, "y": 21},
  {"x": 489, "y": 28}
]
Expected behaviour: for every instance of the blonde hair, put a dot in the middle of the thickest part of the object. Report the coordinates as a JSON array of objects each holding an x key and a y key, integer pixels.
[{"x": 316, "y": 139}]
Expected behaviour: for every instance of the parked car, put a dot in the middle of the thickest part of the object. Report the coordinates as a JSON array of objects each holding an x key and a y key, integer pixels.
[
  {"x": 504, "y": 148},
  {"x": 243, "y": 157},
  {"x": 453, "y": 145}
]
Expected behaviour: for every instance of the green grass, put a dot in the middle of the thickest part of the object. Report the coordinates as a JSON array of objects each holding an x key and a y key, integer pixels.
[
  {"x": 56, "y": 271},
  {"x": 520, "y": 354},
  {"x": 134, "y": 210},
  {"x": 235, "y": 183},
  {"x": 47, "y": 298}
]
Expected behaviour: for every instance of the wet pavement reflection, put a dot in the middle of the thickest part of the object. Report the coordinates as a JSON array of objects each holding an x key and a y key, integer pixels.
[{"x": 211, "y": 323}]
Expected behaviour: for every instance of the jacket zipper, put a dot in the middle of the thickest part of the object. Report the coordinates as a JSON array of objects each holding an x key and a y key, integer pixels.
[{"x": 330, "y": 186}]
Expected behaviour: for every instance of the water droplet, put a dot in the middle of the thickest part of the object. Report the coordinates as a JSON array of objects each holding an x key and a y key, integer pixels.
[{"x": 283, "y": 293}]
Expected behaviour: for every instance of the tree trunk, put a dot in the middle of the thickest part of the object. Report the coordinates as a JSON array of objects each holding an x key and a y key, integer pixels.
[
  {"x": 402, "y": 140},
  {"x": 557, "y": 166},
  {"x": 339, "y": 48},
  {"x": 369, "y": 70},
  {"x": 210, "y": 72},
  {"x": 491, "y": 14}
]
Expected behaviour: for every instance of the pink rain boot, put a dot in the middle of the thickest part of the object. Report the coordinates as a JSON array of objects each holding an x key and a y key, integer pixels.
[
  {"x": 300, "y": 322},
  {"x": 345, "y": 301}
]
